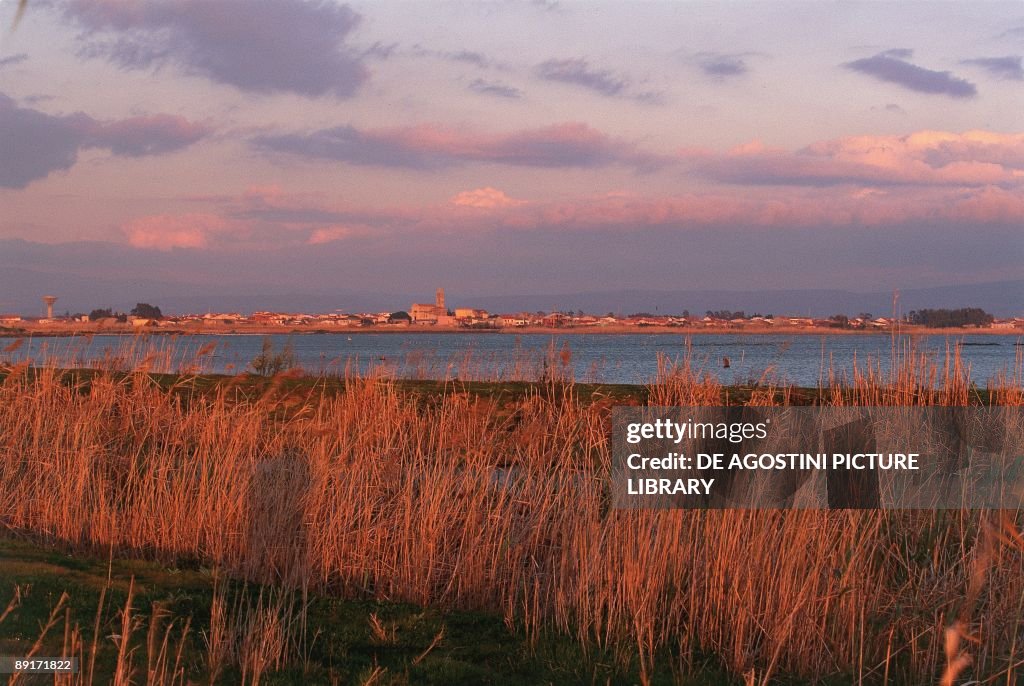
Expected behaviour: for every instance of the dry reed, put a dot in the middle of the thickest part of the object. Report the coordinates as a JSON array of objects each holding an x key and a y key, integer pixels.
[{"x": 463, "y": 502}]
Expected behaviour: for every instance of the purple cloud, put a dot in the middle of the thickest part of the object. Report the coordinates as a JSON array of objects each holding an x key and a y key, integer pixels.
[
  {"x": 429, "y": 147},
  {"x": 271, "y": 46},
  {"x": 890, "y": 107},
  {"x": 1008, "y": 67},
  {"x": 721, "y": 66},
  {"x": 471, "y": 57},
  {"x": 579, "y": 73},
  {"x": 1012, "y": 32},
  {"x": 494, "y": 88},
  {"x": 13, "y": 60},
  {"x": 34, "y": 144},
  {"x": 892, "y": 66},
  {"x": 349, "y": 144},
  {"x": 140, "y": 136},
  {"x": 381, "y": 51}
]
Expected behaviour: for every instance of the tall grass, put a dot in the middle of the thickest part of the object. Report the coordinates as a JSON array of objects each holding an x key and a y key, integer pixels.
[
  {"x": 466, "y": 502},
  {"x": 151, "y": 645}
]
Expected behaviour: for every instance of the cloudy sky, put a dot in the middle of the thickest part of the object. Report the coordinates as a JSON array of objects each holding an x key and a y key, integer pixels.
[{"x": 513, "y": 147}]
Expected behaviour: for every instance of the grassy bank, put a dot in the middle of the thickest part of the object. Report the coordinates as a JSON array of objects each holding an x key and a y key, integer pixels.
[
  {"x": 372, "y": 490},
  {"x": 187, "y": 625},
  {"x": 289, "y": 389}
]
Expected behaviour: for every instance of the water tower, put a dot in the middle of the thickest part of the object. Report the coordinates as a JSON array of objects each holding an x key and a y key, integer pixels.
[{"x": 49, "y": 300}]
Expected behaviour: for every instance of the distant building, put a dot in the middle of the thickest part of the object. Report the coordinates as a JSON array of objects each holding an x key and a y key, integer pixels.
[
  {"x": 555, "y": 319},
  {"x": 513, "y": 319},
  {"x": 226, "y": 318},
  {"x": 423, "y": 313},
  {"x": 470, "y": 313}
]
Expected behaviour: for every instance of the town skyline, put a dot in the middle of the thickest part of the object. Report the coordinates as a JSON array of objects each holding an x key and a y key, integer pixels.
[{"x": 616, "y": 305}]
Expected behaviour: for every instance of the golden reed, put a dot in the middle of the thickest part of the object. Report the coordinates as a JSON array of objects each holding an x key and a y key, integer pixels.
[{"x": 458, "y": 500}]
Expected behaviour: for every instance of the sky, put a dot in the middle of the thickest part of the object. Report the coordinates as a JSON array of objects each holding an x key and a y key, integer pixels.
[{"x": 502, "y": 147}]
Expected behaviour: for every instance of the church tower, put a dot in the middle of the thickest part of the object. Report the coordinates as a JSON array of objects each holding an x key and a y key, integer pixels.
[{"x": 439, "y": 299}]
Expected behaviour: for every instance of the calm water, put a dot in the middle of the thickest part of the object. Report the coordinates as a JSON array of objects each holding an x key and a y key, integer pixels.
[{"x": 623, "y": 358}]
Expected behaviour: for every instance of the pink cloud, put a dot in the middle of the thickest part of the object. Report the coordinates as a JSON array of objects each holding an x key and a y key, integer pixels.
[
  {"x": 291, "y": 222},
  {"x": 485, "y": 198},
  {"x": 165, "y": 231},
  {"x": 330, "y": 234},
  {"x": 990, "y": 205},
  {"x": 828, "y": 207},
  {"x": 973, "y": 158},
  {"x": 823, "y": 208},
  {"x": 853, "y": 182},
  {"x": 428, "y": 146},
  {"x": 754, "y": 147}
]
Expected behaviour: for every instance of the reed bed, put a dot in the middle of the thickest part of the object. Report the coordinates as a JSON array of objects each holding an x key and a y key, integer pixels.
[{"x": 461, "y": 501}]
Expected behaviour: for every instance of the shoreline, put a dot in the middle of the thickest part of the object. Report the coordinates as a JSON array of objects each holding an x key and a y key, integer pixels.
[
  {"x": 290, "y": 384},
  {"x": 52, "y": 331}
]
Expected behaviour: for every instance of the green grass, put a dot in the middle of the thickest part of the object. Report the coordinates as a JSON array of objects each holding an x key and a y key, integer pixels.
[{"x": 477, "y": 648}]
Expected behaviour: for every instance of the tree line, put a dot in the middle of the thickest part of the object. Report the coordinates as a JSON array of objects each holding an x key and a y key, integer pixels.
[
  {"x": 941, "y": 319},
  {"x": 141, "y": 310}
]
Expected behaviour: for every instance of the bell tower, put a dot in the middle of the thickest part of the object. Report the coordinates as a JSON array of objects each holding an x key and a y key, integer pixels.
[{"x": 439, "y": 298}]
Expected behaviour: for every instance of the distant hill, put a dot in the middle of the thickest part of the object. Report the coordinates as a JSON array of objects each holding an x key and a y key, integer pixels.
[{"x": 1005, "y": 298}]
